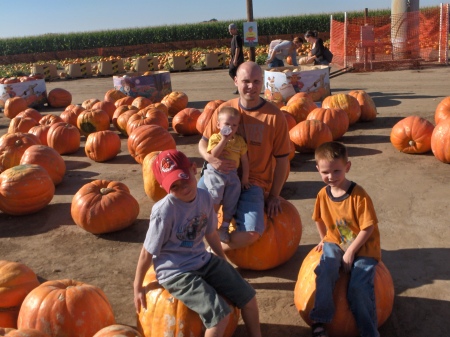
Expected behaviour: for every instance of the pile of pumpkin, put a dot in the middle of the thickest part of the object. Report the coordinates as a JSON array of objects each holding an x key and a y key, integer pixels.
[{"x": 416, "y": 135}]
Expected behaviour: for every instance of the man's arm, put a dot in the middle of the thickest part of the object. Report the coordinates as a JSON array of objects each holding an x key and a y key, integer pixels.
[{"x": 279, "y": 177}]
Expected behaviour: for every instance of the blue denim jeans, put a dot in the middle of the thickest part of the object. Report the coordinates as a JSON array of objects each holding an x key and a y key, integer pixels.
[
  {"x": 276, "y": 63},
  {"x": 249, "y": 214},
  {"x": 360, "y": 292}
]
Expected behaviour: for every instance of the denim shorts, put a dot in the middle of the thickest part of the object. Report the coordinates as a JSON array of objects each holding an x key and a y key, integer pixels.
[
  {"x": 199, "y": 290},
  {"x": 249, "y": 214}
]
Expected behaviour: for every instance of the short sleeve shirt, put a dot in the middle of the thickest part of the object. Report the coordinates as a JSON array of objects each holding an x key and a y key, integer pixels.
[{"x": 235, "y": 147}]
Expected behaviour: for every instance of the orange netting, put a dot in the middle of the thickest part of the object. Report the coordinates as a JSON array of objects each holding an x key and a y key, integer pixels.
[{"x": 391, "y": 41}]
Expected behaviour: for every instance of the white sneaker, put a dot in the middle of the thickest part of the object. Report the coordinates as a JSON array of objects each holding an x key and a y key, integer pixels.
[{"x": 224, "y": 235}]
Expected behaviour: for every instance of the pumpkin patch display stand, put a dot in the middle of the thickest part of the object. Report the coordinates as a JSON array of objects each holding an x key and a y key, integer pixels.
[{"x": 343, "y": 323}]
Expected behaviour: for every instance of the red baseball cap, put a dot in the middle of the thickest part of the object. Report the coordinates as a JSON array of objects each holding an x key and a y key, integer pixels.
[{"x": 170, "y": 166}]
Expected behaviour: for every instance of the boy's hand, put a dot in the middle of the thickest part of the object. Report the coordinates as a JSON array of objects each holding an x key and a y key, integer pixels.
[
  {"x": 347, "y": 260},
  {"x": 245, "y": 184},
  {"x": 319, "y": 246},
  {"x": 139, "y": 299}
]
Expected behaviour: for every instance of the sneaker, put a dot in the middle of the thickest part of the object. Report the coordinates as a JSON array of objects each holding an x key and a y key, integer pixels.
[{"x": 224, "y": 235}]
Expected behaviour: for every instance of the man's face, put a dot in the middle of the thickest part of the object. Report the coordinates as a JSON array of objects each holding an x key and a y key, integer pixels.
[{"x": 249, "y": 82}]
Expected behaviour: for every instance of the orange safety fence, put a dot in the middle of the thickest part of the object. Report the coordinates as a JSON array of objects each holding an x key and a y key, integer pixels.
[{"x": 391, "y": 41}]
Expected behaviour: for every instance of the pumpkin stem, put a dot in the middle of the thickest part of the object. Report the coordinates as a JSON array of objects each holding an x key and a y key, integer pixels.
[
  {"x": 105, "y": 190},
  {"x": 412, "y": 143}
]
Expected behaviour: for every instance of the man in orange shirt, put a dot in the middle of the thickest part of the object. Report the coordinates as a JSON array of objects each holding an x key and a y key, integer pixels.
[{"x": 264, "y": 128}]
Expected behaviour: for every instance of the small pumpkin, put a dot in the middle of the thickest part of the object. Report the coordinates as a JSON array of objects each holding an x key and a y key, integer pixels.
[
  {"x": 175, "y": 102},
  {"x": 345, "y": 102},
  {"x": 102, "y": 146},
  {"x": 14, "y": 105},
  {"x": 59, "y": 98},
  {"x": 87, "y": 104},
  {"x": 151, "y": 186},
  {"x": 25, "y": 189},
  {"x": 368, "y": 107},
  {"x": 343, "y": 323},
  {"x": 104, "y": 206},
  {"x": 41, "y": 132},
  {"x": 127, "y": 100},
  {"x": 147, "y": 116},
  {"x": 277, "y": 244},
  {"x": 122, "y": 121},
  {"x": 70, "y": 114},
  {"x": 118, "y": 330},
  {"x": 309, "y": 134},
  {"x": 149, "y": 138},
  {"x": 92, "y": 120},
  {"x": 50, "y": 119},
  {"x": 336, "y": 119},
  {"x": 442, "y": 110},
  {"x": 185, "y": 122},
  {"x": 412, "y": 135},
  {"x": 300, "y": 94},
  {"x": 141, "y": 102},
  {"x": 291, "y": 122},
  {"x": 64, "y": 138},
  {"x": 48, "y": 158},
  {"x": 12, "y": 147},
  {"x": 205, "y": 116},
  {"x": 30, "y": 112},
  {"x": 178, "y": 320},
  {"x": 440, "y": 141},
  {"x": 77, "y": 309},
  {"x": 16, "y": 281},
  {"x": 106, "y": 106}
]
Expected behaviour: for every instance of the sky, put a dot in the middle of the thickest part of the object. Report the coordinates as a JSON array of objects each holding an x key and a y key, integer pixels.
[{"x": 66, "y": 16}]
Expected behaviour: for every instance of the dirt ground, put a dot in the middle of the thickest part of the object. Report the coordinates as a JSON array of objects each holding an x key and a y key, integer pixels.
[{"x": 410, "y": 193}]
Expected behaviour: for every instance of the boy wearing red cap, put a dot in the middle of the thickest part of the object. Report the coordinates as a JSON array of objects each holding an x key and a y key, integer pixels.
[{"x": 174, "y": 244}]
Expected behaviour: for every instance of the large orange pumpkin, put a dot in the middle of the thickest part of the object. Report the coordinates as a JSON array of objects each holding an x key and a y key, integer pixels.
[
  {"x": 25, "y": 189},
  {"x": 291, "y": 122},
  {"x": 278, "y": 243},
  {"x": 178, "y": 320},
  {"x": 147, "y": 116},
  {"x": 367, "y": 105},
  {"x": 12, "y": 147},
  {"x": 41, "y": 132},
  {"x": 345, "y": 102},
  {"x": 160, "y": 106},
  {"x": 104, "y": 206},
  {"x": 440, "y": 141},
  {"x": 106, "y": 106},
  {"x": 50, "y": 119},
  {"x": 16, "y": 281},
  {"x": 14, "y": 105},
  {"x": 66, "y": 308},
  {"x": 185, "y": 122},
  {"x": 141, "y": 102},
  {"x": 300, "y": 108},
  {"x": 92, "y": 120},
  {"x": 151, "y": 186},
  {"x": 9, "y": 332},
  {"x": 48, "y": 158},
  {"x": 118, "y": 330},
  {"x": 442, "y": 110},
  {"x": 122, "y": 121},
  {"x": 102, "y": 145},
  {"x": 87, "y": 104},
  {"x": 205, "y": 116},
  {"x": 120, "y": 110},
  {"x": 113, "y": 95},
  {"x": 309, "y": 134},
  {"x": 149, "y": 138},
  {"x": 30, "y": 112},
  {"x": 127, "y": 100},
  {"x": 300, "y": 94},
  {"x": 343, "y": 323},
  {"x": 175, "y": 102},
  {"x": 59, "y": 98},
  {"x": 412, "y": 135},
  {"x": 21, "y": 124},
  {"x": 64, "y": 138},
  {"x": 335, "y": 119}
]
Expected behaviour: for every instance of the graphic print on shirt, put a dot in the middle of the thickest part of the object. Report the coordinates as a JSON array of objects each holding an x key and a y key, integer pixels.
[
  {"x": 254, "y": 133},
  {"x": 347, "y": 236},
  {"x": 188, "y": 232}
]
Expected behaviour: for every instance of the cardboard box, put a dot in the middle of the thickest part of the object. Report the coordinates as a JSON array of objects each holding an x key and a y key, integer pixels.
[
  {"x": 149, "y": 63},
  {"x": 34, "y": 92},
  {"x": 287, "y": 81},
  {"x": 48, "y": 70},
  {"x": 211, "y": 60},
  {"x": 154, "y": 86},
  {"x": 77, "y": 70},
  {"x": 110, "y": 67},
  {"x": 177, "y": 63}
]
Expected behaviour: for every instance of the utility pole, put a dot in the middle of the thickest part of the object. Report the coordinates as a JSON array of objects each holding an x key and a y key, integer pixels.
[
  {"x": 404, "y": 32},
  {"x": 250, "y": 19}
]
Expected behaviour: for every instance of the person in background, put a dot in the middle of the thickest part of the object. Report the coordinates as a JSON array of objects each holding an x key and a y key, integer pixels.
[
  {"x": 280, "y": 49},
  {"x": 236, "y": 51},
  {"x": 316, "y": 54}
]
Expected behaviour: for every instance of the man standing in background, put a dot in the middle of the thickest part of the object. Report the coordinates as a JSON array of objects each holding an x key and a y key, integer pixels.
[{"x": 237, "y": 55}]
